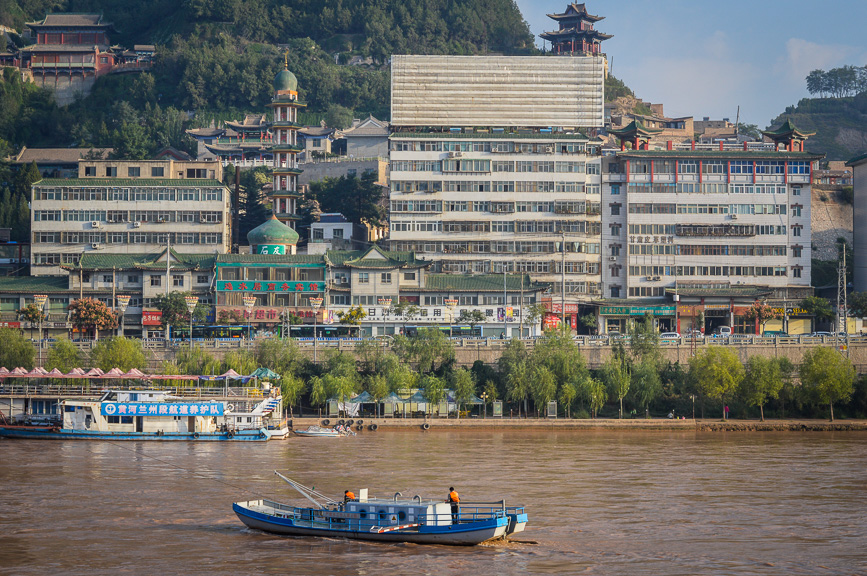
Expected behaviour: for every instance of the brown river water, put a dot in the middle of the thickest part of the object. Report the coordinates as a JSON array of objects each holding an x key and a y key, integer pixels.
[{"x": 624, "y": 502}]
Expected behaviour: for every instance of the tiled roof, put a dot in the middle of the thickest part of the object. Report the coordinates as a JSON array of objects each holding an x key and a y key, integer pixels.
[
  {"x": 481, "y": 282},
  {"x": 491, "y": 135},
  {"x": 144, "y": 48},
  {"x": 365, "y": 259},
  {"x": 161, "y": 182},
  {"x": 275, "y": 259},
  {"x": 71, "y": 19},
  {"x": 65, "y": 48},
  {"x": 56, "y": 155},
  {"x": 720, "y": 155},
  {"x": 180, "y": 261},
  {"x": 34, "y": 284},
  {"x": 857, "y": 160}
]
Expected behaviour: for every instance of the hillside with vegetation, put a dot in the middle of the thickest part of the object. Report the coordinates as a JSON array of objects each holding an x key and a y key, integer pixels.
[{"x": 837, "y": 113}]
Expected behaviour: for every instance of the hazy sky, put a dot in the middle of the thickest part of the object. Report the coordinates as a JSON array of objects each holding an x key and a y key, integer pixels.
[{"x": 704, "y": 58}]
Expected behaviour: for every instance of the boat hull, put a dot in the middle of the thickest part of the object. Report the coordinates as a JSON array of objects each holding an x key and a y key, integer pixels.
[
  {"x": 464, "y": 534},
  {"x": 261, "y": 435}
]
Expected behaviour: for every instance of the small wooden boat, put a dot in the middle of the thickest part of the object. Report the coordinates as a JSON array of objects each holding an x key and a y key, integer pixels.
[{"x": 395, "y": 519}]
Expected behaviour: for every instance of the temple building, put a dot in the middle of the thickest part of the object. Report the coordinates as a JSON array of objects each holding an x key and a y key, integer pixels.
[
  {"x": 70, "y": 44},
  {"x": 576, "y": 36}
]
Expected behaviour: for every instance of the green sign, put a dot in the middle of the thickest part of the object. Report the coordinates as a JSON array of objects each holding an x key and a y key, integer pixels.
[
  {"x": 637, "y": 310},
  {"x": 270, "y": 249},
  {"x": 265, "y": 286}
]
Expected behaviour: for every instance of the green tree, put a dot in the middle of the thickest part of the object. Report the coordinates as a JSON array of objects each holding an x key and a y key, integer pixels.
[
  {"x": 594, "y": 390},
  {"x": 616, "y": 375},
  {"x": 433, "y": 389},
  {"x": 646, "y": 384},
  {"x": 118, "y": 352},
  {"x": 535, "y": 314},
  {"x": 762, "y": 381},
  {"x": 90, "y": 313},
  {"x": 241, "y": 361},
  {"x": 337, "y": 116},
  {"x": 352, "y": 317},
  {"x": 761, "y": 312},
  {"x": 566, "y": 396},
  {"x": 31, "y": 313},
  {"x": 471, "y": 317},
  {"x": 64, "y": 355},
  {"x": 281, "y": 356},
  {"x": 818, "y": 307},
  {"x": 291, "y": 388},
  {"x": 15, "y": 350},
  {"x": 827, "y": 376},
  {"x": 197, "y": 361},
  {"x": 644, "y": 340},
  {"x": 406, "y": 310},
  {"x": 858, "y": 303},
  {"x": 716, "y": 373},
  {"x": 518, "y": 382},
  {"x": 464, "y": 387},
  {"x": 430, "y": 349},
  {"x": 543, "y": 387},
  {"x": 357, "y": 198},
  {"x": 377, "y": 386},
  {"x": 318, "y": 391},
  {"x": 175, "y": 312}
]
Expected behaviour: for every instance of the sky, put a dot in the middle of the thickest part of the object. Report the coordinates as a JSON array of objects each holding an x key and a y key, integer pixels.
[{"x": 705, "y": 57}]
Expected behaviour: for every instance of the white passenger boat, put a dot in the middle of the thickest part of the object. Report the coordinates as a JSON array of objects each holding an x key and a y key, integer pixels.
[
  {"x": 155, "y": 415},
  {"x": 322, "y": 432},
  {"x": 396, "y": 519}
]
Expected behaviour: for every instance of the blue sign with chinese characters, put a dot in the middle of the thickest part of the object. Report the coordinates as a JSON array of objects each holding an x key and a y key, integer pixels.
[{"x": 161, "y": 409}]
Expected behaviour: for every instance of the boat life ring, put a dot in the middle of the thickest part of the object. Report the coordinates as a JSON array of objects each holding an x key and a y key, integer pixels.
[
  {"x": 230, "y": 407},
  {"x": 326, "y": 422},
  {"x": 350, "y": 422},
  {"x": 359, "y": 421},
  {"x": 372, "y": 427},
  {"x": 425, "y": 426},
  {"x": 195, "y": 435},
  {"x": 230, "y": 434},
  {"x": 359, "y": 427},
  {"x": 341, "y": 422}
]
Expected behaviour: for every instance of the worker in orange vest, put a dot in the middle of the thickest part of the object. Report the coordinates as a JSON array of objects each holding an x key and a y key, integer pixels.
[
  {"x": 455, "y": 501},
  {"x": 348, "y": 496}
]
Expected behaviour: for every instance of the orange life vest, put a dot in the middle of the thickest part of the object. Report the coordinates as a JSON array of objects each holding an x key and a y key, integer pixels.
[
  {"x": 349, "y": 496},
  {"x": 453, "y": 497}
]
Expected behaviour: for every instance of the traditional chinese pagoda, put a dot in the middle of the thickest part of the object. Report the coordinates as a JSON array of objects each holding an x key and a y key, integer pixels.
[
  {"x": 576, "y": 36},
  {"x": 69, "y": 44},
  {"x": 789, "y": 136},
  {"x": 284, "y": 129}
]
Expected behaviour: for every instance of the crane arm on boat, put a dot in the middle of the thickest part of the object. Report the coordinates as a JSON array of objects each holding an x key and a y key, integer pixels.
[{"x": 308, "y": 493}]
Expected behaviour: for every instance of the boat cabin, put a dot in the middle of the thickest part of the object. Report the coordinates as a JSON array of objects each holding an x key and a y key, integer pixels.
[{"x": 394, "y": 512}]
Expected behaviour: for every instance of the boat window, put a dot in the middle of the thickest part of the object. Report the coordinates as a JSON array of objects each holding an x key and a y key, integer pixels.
[
  {"x": 383, "y": 514},
  {"x": 362, "y": 513},
  {"x": 401, "y": 515}
]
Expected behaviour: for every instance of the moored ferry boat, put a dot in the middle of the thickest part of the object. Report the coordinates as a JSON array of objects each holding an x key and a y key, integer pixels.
[
  {"x": 155, "y": 415},
  {"x": 396, "y": 519}
]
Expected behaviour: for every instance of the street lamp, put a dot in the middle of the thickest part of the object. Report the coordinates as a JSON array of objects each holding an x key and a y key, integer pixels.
[
  {"x": 484, "y": 398},
  {"x": 385, "y": 302},
  {"x": 41, "y": 300},
  {"x": 191, "y": 305},
  {"x": 316, "y": 303},
  {"x": 122, "y": 303},
  {"x": 249, "y": 302}
]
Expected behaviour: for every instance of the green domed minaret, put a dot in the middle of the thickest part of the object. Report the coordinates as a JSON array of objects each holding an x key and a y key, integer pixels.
[
  {"x": 272, "y": 237},
  {"x": 285, "y": 145}
]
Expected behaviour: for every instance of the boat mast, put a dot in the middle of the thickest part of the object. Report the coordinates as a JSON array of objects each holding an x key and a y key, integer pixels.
[{"x": 308, "y": 493}]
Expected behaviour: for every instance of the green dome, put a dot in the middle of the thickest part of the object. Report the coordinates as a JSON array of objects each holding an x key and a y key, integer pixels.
[
  {"x": 272, "y": 232},
  {"x": 285, "y": 80}
]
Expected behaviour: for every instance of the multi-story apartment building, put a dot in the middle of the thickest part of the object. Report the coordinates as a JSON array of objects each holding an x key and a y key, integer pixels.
[
  {"x": 491, "y": 169},
  {"x": 704, "y": 230},
  {"x": 129, "y": 207}
]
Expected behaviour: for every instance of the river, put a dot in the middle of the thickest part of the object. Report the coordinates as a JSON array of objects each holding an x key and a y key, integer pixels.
[{"x": 624, "y": 502}]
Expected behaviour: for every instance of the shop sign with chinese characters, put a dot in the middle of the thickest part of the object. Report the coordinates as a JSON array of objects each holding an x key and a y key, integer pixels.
[
  {"x": 637, "y": 310},
  {"x": 267, "y": 314},
  {"x": 275, "y": 287},
  {"x": 161, "y": 409}
]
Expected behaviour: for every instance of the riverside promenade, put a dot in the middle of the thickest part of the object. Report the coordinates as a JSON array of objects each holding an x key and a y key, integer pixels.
[{"x": 599, "y": 424}]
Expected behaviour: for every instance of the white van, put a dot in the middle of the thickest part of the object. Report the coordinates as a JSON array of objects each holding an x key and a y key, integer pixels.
[{"x": 724, "y": 331}]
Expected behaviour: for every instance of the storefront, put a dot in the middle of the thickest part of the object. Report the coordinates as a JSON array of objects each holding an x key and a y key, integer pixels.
[{"x": 620, "y": 318}]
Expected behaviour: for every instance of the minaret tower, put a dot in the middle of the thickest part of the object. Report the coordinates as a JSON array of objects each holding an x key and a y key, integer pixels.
[{"x": 285, "y": 130}]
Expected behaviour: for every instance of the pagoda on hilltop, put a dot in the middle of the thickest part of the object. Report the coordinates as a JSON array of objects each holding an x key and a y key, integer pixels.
[
  {"x": 284, "y": 129},
  {"x": 576, "y": 36}
]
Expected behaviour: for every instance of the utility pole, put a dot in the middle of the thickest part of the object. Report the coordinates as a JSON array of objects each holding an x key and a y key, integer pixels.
[
  {"x": 521, "y": 308},
  {"x": 505, "y": 301},
  {"x": 842, "y": 305}
]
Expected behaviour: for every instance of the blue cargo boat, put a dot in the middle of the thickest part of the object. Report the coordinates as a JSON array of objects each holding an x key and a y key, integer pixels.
[{"x": 396, "y": 519}]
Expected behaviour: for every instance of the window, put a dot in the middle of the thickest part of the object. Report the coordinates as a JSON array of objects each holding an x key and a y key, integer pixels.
[
  {"x": 132, "y": 279},
  {"x": 111, "y": 171},
  {"x": 409, "y": 276},
  {"x": 156, "y": 281},
  {"x": 90, "y": 170},
  {"x": 615, "y": 249},
  {"x": 615, "y": 209},
  {"x": 615, "y": 291},
  {"x": 133, "y": 171},
  {"x": 337, "y": 233},
  {"x": 797, "y": 251},
  {"x": 615, "y": 229},
  {"x": 364, "y": 278},
  {"x": 796, "y": 210},
  {"x": 177, "y": 280},
  {"x": 157, "y": 172},
  {"x": 385, "y": 278},
  {"x": 615, "y": 189},
  {"x": 107, "y": 279},
  {"x": 202, "y": 279},
  {"x": 796, "y": 272},
  {"x": 796, "y": 230},
  {"x": 196, "y": 173}
]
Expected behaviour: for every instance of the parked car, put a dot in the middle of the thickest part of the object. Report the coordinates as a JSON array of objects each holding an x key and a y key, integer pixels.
[
  {"x": 669, "y": 336},
  {"x": 722, "y": 331},
  {"x": 817, "y": 334}
]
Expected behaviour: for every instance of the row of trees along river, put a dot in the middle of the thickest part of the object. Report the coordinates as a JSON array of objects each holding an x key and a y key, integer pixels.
[{"x": 634, "y": 382}]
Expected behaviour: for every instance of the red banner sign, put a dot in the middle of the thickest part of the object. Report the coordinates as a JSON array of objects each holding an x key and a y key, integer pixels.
[{"x": 151, "y": 318}]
